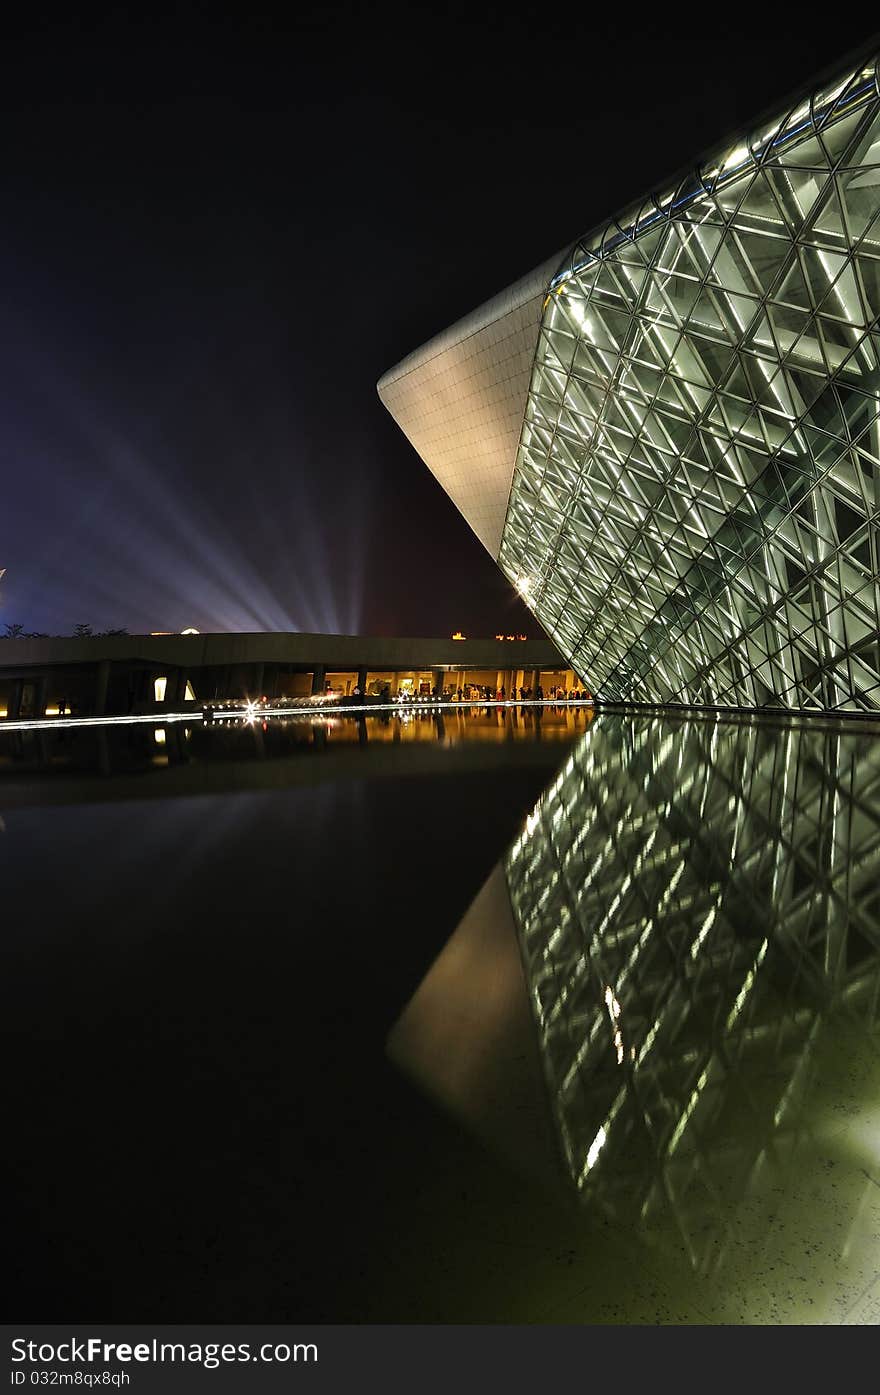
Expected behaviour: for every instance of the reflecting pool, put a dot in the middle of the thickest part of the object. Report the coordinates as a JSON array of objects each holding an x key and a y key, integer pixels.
[
  {"x": 530, "y": 1017},
  {"x": 696, "y": 909}
]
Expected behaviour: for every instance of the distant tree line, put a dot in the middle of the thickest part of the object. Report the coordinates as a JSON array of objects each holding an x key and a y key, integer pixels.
[{"x": 79, "y": 632}]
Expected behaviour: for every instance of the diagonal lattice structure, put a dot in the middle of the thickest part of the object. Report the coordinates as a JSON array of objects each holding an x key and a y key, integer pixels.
[
  {"x": 696, "y": 902},
  {"x": 694, "y": 508}
]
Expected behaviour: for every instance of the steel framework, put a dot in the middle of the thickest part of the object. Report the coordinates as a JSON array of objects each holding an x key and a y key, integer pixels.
[{"x": 694, "y": 508}]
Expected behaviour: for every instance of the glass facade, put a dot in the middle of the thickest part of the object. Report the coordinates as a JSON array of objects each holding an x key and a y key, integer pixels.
[
  {"x": 693, "y": 515},
  {"x": 698, "y": 913}
]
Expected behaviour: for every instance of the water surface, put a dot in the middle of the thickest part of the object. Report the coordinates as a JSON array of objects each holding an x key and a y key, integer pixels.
[{"x": 555, "y": 1019}]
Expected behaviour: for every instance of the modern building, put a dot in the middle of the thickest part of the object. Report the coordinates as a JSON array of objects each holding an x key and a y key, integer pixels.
[{"x": 668, "y": 436}]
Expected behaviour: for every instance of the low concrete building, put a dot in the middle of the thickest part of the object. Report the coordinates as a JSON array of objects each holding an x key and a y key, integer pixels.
[{"x": 119, "y": 674}]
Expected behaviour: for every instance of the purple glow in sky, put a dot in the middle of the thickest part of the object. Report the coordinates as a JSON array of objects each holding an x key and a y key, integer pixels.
[{"x": 219, "y": 234}]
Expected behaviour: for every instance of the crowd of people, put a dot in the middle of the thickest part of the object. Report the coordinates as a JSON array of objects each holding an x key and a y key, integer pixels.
[
  {"x": 477, "y": 692},
  {"x": 474, "y": 692}
]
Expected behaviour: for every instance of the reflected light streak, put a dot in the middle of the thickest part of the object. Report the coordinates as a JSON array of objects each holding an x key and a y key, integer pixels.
[{"x": 233, "y": 713}]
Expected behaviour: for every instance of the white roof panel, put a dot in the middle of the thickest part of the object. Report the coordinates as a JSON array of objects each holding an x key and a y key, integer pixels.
[{"x": 460, "y": 399}]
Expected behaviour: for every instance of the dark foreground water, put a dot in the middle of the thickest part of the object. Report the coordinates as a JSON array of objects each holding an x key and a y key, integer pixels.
[{"x": 488, "y": 1018}]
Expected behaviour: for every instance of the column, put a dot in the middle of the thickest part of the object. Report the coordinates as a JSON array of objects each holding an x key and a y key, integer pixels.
[
  {"x": 15, "y": 698},
  {"x": 175, "y": 687},
  {"x": 102, "y": 682},
  {"x": 362, "y": 681},
  {"x": 319, "y": 678},
  {"x": 438, "y": 678},
  {"x": 40, "y": 695},
  {"x": 257, "y": 686}
]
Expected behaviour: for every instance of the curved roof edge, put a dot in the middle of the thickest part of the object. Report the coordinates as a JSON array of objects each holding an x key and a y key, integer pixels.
[
  {"x": 460, "y": 399},
  {"x": 491, "y": 310}
]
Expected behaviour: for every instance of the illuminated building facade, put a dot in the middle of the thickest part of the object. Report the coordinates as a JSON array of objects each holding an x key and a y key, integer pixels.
[{"x": 669, "y": 436}]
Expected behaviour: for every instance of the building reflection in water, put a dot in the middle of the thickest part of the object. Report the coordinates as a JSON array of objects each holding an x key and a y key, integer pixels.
[
  {"x": 697, "y": 910},
  {"x": 123, "y": 747},
  {"x": 165, "y": 760}
]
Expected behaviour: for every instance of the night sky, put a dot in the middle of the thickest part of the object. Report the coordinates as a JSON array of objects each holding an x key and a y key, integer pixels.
[{"x": 218, "y": 234}]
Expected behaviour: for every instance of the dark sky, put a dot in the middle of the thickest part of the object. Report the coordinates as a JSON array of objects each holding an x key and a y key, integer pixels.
[{"x": 217, "y": 234}]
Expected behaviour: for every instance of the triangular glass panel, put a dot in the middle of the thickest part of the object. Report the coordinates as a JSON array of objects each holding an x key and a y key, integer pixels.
[
  {"x": 807, "y": 154},
  {"x": 794, "y": 291},
  {"x": 765, "y": 256}
]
